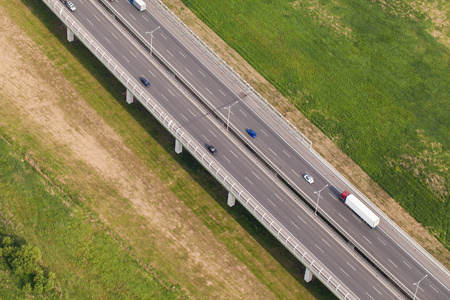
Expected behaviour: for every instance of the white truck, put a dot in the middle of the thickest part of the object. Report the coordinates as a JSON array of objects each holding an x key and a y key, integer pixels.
[
  {"x": 360, "y": 209},
  {"x": 139, "y": 4}
]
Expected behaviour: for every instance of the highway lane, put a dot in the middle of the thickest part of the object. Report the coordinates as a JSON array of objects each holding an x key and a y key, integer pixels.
[
  {"x": 128, "y": 56},
  {"x": 275, "y": 149},
  {"x": 243, "y": 165}
]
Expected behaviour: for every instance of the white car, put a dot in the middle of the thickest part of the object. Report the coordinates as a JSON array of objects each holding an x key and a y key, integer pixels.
[
  {"x": 70, "y": 5},
  {"x": 308, "y": 178}
]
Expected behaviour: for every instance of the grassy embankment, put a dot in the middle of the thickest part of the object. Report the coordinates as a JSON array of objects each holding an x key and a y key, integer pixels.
[
  {"x": 370, "y": 76},
  {"x": 89, "y": 233},
  {"x": 89, "y": 259}
]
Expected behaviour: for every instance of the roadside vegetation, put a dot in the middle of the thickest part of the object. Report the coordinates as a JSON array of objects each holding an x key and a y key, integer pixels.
[
  {"x": 374, "y": 76},
  {"x": 95, "y": 185},
  {"x": 87, "y": 257}
]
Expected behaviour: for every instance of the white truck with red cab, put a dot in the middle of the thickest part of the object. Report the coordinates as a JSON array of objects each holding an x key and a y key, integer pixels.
[{"x": 360, "y": 209}]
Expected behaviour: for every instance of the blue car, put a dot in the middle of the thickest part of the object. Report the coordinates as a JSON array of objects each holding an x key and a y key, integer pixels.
[
  {"x": 144, "y": 81},
  {"x": 251, "y": 132}
]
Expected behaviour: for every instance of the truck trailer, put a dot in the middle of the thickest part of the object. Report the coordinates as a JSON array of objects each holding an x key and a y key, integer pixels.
[
  {"x": 360, "y": 209},
  {"x": 139, "y": 4}
]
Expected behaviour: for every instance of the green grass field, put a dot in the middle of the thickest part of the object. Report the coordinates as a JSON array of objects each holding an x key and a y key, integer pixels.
[
  {"x": 373, "y": 80},
  {"x": 88, "y": 259}
]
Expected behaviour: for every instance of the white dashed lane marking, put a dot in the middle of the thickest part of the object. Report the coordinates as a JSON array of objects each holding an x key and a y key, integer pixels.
[
  {"x": 392, "y": 263},
  {"x": 367, "y": 240},
  {"x": 271, "y": 202},
  {"x": 295, "y": 225},
  {"x": 264, "y": 132},
  {"x": 273, "y": 152},
  {"x": 377, "y": 290},
  {"x": 344, "y": 272},
  {"x": 357, "y": 218},
  {"x": 212, "y": 132},
  {"x": 381, "y": 241},
  {"x": 407, "y": 264},
  {"x": 320, "y": 249},
  {"x": 369, "y": 296},
  {"x": 233, "y": 154},
  {"x": 202, "y": 73},
  {"x": 326, "y": 243},
  {"x": 342, "y": 216},
  {"x": 434, "y": 288},
  {"x": 301, "y": 219},
  {"x": 256, "y": 175},
  {"x": 279, "y": 197},
  {"x": 165, "y": 98},
  {"x": 351, "y": 266}
]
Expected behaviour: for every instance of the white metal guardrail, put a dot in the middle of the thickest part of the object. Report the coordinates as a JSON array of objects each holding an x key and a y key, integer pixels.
[
  {"x": 291, "y": 129},
  {"x": 197, "y": 150}
]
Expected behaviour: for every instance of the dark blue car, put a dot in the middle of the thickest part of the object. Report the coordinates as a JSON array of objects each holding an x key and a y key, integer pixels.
[
  {"x": 251, "y": 132},
  {"x": 144, "y": 81}
]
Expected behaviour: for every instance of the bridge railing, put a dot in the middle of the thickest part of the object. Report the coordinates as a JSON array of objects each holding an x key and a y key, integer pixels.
[{"x": 198, "y": 151}]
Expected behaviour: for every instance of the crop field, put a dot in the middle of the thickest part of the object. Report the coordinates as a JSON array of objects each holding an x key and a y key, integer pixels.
[{"x": 374, "y": 76}]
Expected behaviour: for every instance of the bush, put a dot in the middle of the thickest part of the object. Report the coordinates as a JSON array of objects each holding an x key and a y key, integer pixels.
[{"x": 24, "y": 261}]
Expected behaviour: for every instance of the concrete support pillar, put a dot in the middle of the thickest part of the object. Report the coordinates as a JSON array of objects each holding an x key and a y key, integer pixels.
[
  {"x": 178, "y": 147},
  {"x": 129, "y": 97},
  {"x": 70, "y": 35},
  {"x": 231, "y": 200},
  {"x": 308, "y": 275}
]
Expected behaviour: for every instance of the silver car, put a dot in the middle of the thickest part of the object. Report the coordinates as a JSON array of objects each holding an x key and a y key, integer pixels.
[
  {"x": 70, "y": 6},
  {"x": 308, "y": 178}
]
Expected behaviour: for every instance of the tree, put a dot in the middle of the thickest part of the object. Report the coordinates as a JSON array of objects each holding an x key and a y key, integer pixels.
[{"x": 24, "y": 260}]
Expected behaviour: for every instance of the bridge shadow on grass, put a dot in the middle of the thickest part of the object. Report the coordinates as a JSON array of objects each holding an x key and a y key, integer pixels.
[{"x": 189, "y": 164}]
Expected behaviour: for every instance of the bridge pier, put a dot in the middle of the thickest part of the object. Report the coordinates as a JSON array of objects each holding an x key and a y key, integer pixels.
[
  {"x": 178, "y": 147},
  {"x": 70, "y": 35},
  {"x": 129, "y": 97},
  {"x": 231, "y": 200},
  {"x": 308, "y": 275}
]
